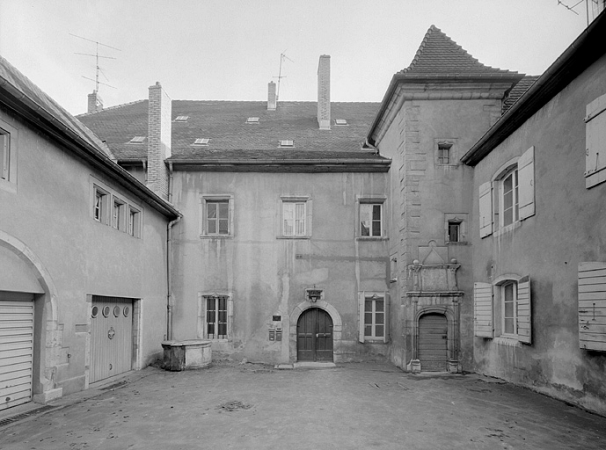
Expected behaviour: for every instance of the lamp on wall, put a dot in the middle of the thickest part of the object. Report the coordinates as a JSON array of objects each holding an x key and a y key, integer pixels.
[{"x": 313, "y": 295}]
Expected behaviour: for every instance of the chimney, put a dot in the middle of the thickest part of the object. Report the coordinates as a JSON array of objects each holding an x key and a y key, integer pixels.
[
  {"x": 324, "y": 92},
  {"x": 95, "y": 104},
  {"x": 272, "y": 99},
  {"x": 159, "y": 132}
]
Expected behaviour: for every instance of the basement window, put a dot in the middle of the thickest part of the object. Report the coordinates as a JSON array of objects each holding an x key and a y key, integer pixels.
[
  {"x": 287, "y": 143},
  {"x": 341, "y": 122},
  {"x": 181, "y": 118},
  {"x": 137, "y": 140},
  {"x": 253, "y": 120},
  {"x": 201, "y": 142}
]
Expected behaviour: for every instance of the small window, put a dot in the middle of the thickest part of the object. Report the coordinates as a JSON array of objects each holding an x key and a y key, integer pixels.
[
  {"x": 253, "y": 120},
  {"x": 341, "y": 122},
  {"x": 454, "y": 231},
  {"x": 294, "y": 218},
  {"x": 100, "y": 205},
  {"x": 118, "y": 214},
  {"x": 444, "y": 153},
  {"x": 216, "y": 317},
  {"x": 201, "y": 142},
  {"x": 137, "y": 140},
  {"x": 371, "y": 219},
  {"x": 5, "y": 154},
  {"x": 217, "y": 216},
  {"x": 134, "y": 222},
  {"x": 287, "y": 143},
  {"x": 181, "y": 118}
]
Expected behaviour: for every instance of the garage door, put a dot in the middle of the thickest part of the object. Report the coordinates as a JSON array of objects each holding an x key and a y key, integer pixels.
[
  {"x": 111, "y": 337},
  {"x": 16, "y": 348},
  {"x": 433, "y": 343}
]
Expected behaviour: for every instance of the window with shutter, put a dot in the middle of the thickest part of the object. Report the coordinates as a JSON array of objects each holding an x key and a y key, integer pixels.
[
  {"x": 485, "y": 209},
  {"x": 482, "y": 310},
  {"x": 526, "y": 184},
  {"x": 524, "y": 310},
  {"x": 595, "y": 145},
  {"x": 592, "y": 306}
]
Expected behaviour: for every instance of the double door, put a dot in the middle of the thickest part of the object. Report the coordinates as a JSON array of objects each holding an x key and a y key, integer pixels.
[{"x": 314, "y": 336}]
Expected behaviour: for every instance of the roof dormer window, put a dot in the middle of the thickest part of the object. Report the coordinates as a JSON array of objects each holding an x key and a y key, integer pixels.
[
  {"x": 201, "y": 142},
  {"x": 341, "y": 122},
  {"x": 253, "y": 120},
  {"x": 137, "y": 140},
  {"x": 287, "y": 143},
  {"x": 181, "y": 118}
]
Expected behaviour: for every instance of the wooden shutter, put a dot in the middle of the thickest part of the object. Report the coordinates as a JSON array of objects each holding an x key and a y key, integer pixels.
[
  {"x": 595, "y": 132},
  {"x": 482, "y": 310},
  {"x": 526, "y": 184},
  {"x": 361, "y": 316},
  {"x": 485, "y": 209},
  {"x": 524, "y": 311},
  {"x": 592, "y": 305}
]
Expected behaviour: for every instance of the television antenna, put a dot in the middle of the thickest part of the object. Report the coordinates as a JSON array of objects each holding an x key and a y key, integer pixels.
[
  {"x": 590, "y": 5},
  {"x": 97, "y": 66},
  {"x": 280, "y": 76}
]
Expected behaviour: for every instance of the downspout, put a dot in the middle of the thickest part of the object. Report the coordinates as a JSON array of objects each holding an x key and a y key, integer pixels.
[{"x": 169, "y": 303}]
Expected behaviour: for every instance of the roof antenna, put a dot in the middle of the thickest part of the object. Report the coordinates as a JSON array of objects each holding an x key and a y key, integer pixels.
[
  {"x": 97, "y": 56},
  {"x": 280, "y": 76},
  {"x": 594, "y": 4}
]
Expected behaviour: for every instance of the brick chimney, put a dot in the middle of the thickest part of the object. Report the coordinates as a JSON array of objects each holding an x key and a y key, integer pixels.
[
  {"x": 324, "y": 92},
  {"x": 159, "y": 140},
  {"x": 272, "y": 99},
  {"x": 95, "y": 103}
]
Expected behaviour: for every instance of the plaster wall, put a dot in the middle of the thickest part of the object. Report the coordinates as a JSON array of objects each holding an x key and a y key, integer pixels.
[
  {"x": 47, "y": 214},
  {"x": 425, "y": 194},
  {"x": 569, "y": 227},
  {"x": 267, "y": 274}
]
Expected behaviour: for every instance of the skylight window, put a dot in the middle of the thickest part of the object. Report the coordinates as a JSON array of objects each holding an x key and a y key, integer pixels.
[
  {"x": 201, "y": 142},
  {"x": 287, "y": 143},
  {"x": 181, "y": 118},
  {"x": 253, "y": 120},
  {"x": 340, "y": 122},
  {"x": 137, "y": 140}
]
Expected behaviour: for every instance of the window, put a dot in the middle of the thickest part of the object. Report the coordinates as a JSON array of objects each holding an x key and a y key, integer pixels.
[
  {"x": 341, "y": 122},
  {"x": 513, "y": 309},
  {"x": 595, "y": 142},
  {"x": 134, "y": 222},
  {"x": 181, "y": 118},
  {"x": 5, "y": 154},
  {"x": 217, "y": 216},
  {"x": 371, "y": 219},
  {"x": 514, "y": 200},
  {"x": 373, "y": 316},
  {"x": 454, "y": 231},
  {"x": 287, "y": 143},
  {"x": 215, "y": 316},
  {"x": 201, "y": 142},
  {"x": 294, "y": 218},
  {"x": 444, "y": 156},
  {"x": 118, "y": 214},
  {"x": 137, "y": 140},
  {"x": 252, "y": 121},
  {"x": 100, "y": 205}
]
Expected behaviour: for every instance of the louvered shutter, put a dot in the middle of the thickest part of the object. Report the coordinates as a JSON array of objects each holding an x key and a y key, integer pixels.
[
  {"x": 595, "y": 154},
  {"x": 526, "y": 184},
  {"x": 524, "y": 311},
  {"x": 592, "y": 306},
  {"x": 361, "y": 316},
  {"x": 482, "y": 310},
  {"x": 486, "y": 209}
]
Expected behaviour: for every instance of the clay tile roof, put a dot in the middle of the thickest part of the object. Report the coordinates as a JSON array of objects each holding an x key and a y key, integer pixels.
[
  {"x": 438, "y": 54},
  {"x": 517, "y": 91},
  {"x": 224, "y": 123}
]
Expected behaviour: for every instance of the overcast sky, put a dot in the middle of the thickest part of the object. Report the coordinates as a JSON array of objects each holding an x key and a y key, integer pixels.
[{"x": 230, "y": 49}]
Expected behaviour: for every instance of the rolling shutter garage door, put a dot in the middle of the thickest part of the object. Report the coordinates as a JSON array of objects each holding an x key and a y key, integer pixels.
[{"x": 16, "y": 348}]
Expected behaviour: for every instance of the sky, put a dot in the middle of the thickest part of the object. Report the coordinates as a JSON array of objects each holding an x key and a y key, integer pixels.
[{"x": 230, "y": 49}]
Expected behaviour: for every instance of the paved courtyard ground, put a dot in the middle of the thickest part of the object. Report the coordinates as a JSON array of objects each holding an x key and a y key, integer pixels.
[{"x": 353, "y": 406}]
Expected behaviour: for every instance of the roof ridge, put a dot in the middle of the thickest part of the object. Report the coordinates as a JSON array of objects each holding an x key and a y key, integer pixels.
[{"x": 109, "y": 108}]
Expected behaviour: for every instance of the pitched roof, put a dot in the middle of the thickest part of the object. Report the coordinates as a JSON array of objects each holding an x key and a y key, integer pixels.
[
  {"x": 517, "y": 91},
  {"x": 439, "y": 54},
  {"x": 225, "y": 124}
]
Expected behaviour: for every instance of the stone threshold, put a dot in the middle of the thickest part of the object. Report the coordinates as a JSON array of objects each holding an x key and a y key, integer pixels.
[{"x": 306, "y": 365}]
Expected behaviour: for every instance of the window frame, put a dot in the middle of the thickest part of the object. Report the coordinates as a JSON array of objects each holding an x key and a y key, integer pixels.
[
  {"x": 203, "y": 330},
  {"x": 521, "y": 308},
  {"x": 380, "y": 201},
  {"x": 515, "y": 202},
  {"x": 119, "y": 223},
  {"x": 445, "y": 144},
  {"x": 133, "y": 227},
  {"x": 9, "y": 140},
  {"x": 100, "y": 208},
  {"x": 374, "y": 297},
  {"x": 205, "y": 201},
  {"x": 307, "y": 217}
]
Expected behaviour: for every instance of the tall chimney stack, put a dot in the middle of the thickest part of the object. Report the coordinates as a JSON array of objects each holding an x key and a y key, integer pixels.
[
  {"x": 324, "y": 92},
  {"x": 272, "y": 100},
  {"x": 95, "y": 103},
  {"x": 159, "y": 137}
]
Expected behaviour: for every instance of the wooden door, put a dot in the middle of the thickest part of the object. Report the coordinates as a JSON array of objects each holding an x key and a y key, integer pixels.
[
  {"x": 433, "y": 343},
  {"x": 16, "y": 348},
  {"x": 111, "y": 337},
  {"x": 314, "y": 336}
]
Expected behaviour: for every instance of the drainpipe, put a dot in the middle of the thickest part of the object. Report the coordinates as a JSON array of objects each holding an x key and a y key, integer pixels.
[{"x": 169, "y": 306}]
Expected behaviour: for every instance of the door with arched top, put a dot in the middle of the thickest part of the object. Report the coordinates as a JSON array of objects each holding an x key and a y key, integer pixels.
[
  {"x": 315, "y": 336},
  {"x": 433, "y": 342}
]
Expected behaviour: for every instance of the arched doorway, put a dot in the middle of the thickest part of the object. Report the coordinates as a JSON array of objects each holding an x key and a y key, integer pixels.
[
  {"x": 315, "y": 336},
  {"x": 433, "y": 342}
]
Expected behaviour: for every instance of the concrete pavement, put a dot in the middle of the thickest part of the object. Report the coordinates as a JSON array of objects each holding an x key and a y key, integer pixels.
[{"x": 352, "y": 406}]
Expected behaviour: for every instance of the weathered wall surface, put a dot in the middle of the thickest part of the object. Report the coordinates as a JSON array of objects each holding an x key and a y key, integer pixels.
[
  {"x": 569, "y": 227},
  {"x": 47, "y": 213},
  {"x": 266, "y": 274}
]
